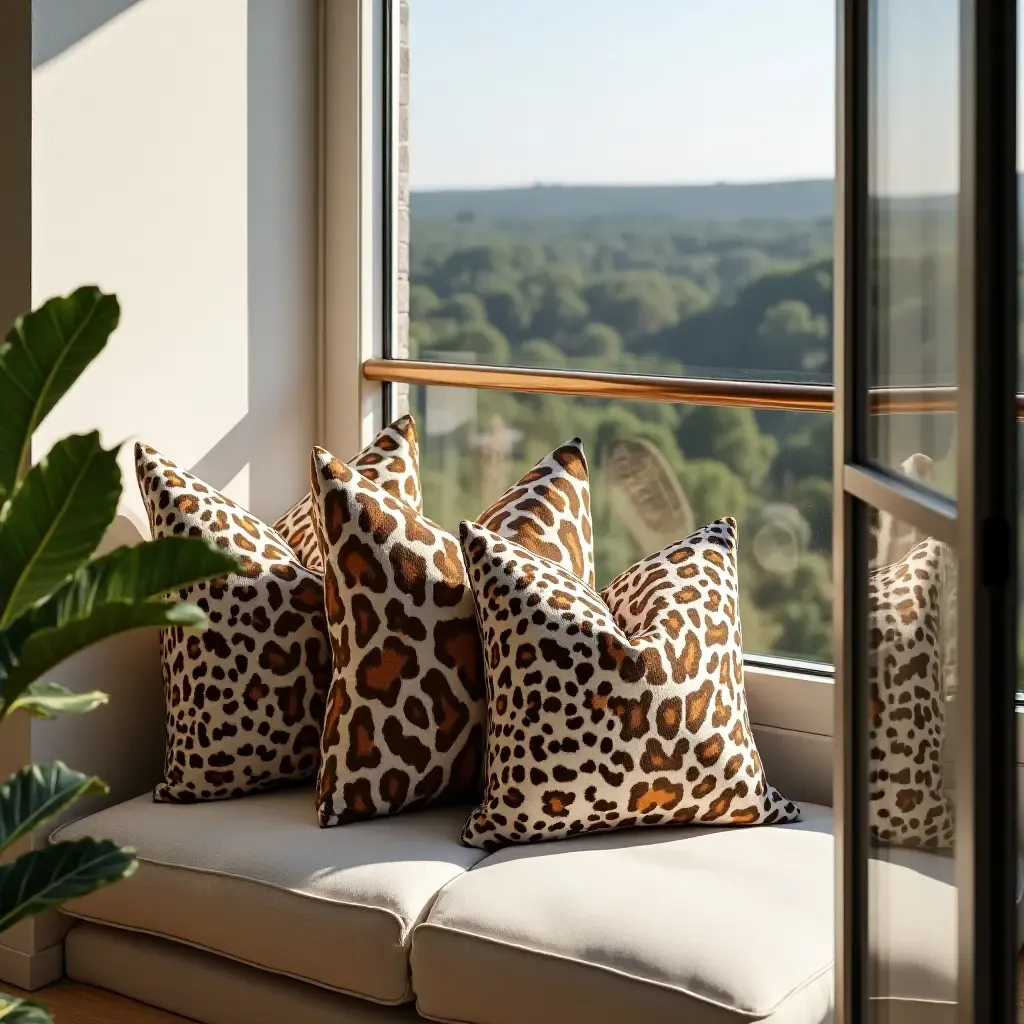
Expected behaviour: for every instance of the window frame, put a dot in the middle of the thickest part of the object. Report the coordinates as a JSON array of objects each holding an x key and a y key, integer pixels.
[
  {"x": 359, "y": 367},
  {"x": 979, "y": 525},
  {"x": 353, "y": 219}
]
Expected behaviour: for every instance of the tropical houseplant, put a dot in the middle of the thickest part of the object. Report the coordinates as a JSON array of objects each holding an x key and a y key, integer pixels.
[{"x": 56, "y": 598}]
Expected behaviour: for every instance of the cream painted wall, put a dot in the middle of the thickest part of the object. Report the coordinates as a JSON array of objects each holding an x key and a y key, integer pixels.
[
  {"x": 173, "y": 155},
  {"x": 174, "y": 162},
  {"x": 140, "y": 184}
]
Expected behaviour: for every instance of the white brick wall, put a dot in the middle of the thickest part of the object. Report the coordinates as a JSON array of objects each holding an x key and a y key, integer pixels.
[{"x": 400, "y": 342}]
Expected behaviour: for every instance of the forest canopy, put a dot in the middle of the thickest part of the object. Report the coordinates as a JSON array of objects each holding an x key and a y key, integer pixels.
[{"x": 543, "y": 278}]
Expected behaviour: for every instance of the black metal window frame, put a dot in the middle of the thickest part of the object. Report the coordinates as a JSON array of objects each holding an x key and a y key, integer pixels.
[{"x": 981, "y": 525}]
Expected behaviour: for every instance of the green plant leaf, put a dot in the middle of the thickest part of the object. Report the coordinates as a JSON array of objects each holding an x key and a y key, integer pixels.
[
  {"x": 36, "y": 793},
  {"x": 22, "y": 1011},
  {"x": 43, "y": 650},
  {"x": 43, "y": 355},
  {"x": 48, "y": 700},
  {"x": 43, "y": 879},
  {"x": 154, "y": 568},
  {"x": 120, "y": 591},
  {"x": 53, "y": 520}
]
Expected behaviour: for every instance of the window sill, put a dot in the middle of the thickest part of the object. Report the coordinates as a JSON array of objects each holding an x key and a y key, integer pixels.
[
  {"x": 798, "y": 697},
  {"x": 785, "y": 696}
]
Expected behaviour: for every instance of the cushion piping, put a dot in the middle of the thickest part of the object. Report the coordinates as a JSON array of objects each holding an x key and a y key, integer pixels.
[
  {"x": 407, "y": 994},
  {"x": 912, "y": 1001},
  {"x": 749, "y": 1013},
  {"x": 258, "y": 882},
  {"x": 404, "y": 927}
]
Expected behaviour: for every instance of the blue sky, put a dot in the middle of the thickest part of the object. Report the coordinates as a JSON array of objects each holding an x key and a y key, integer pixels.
[{"x": 514, "y": 92}]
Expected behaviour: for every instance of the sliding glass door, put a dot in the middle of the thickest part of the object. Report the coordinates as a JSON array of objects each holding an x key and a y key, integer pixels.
[{"x": 925, "y": 539}]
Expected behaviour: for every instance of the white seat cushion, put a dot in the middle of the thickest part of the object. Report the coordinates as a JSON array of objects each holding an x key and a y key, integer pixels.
[
  {"x": 912, "y": 908},
  {"x": 688, "y": 924},
  {"x": 256, "y": 880},
  {"x": 206, "y": 987}
]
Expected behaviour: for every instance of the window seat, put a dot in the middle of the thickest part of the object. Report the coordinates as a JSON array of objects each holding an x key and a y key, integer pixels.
[{"x": 357, "y": 922}]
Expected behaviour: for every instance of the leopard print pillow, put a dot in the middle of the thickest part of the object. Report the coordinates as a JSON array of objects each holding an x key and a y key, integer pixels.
[
  {"x": 245, "y": 696},
  {"x": 405, "y": 714},
  {"x": 909, "y": 804},
  {"x": 548, "y": 511},
  {"x": 615, "y": 709},
  {"x": 392, "y": 461},
  {"x": 889, "y": 540}
]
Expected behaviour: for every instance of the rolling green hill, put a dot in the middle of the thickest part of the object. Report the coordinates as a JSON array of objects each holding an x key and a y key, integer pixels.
[
  {"x": 777, "y": 200},
  {"x": 809, "y": 199}
]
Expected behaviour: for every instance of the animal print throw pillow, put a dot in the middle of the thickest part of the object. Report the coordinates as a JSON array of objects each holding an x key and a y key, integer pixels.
[
  {"x": 888, "y": 538},
  {"x": 909, "y": 804},
  {"x": 245, "y": 696},
  {"x": 392, "y": 461},
  {"x": 548, "y": 511},
  {"x": 889, "y": 541},
  {"x": 615, "y": 709},
  {"x": 405, "y": 715}
]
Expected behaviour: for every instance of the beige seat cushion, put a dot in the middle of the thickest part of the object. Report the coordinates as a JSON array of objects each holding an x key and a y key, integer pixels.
[
  {"x": 206, "y": 987},
  {"x": 681, "y": 924},
  {"x": 701, "y": 925},
  {"x": 912, "y": 909},
  {"x": 256, "y": 880}
]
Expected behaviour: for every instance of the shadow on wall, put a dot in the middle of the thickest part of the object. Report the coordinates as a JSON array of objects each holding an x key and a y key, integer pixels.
[
  {"x": 275, "y": 381},
  {"x": 123, "y": 742},
  {"x": 281, "y": 373},
  {"x": 58, "y": 25}
]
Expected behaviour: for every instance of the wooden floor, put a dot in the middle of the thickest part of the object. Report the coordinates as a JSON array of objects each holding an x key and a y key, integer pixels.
[{"x": 71, "y": 1003}]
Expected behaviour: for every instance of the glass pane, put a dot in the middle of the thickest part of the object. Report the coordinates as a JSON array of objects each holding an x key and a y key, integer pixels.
[
  {"x": 653, "y": 196},
  {"x": 658, "y": 472},
  {"x": 914, "y": 183},
  {"x": 911, "y": 696}
]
